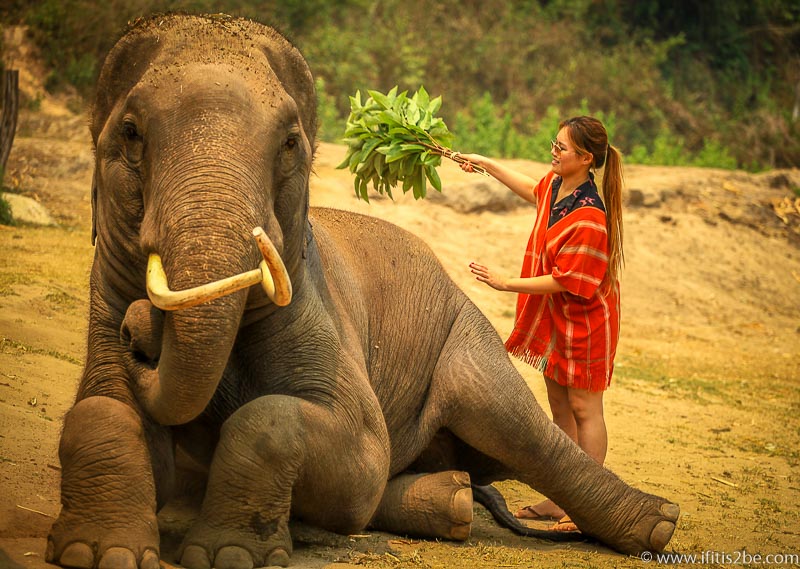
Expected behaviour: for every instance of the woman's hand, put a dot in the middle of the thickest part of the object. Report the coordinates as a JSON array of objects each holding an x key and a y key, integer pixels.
[
  {"x": 471, "y": 160},
  {"x": 484, "y": 275}
]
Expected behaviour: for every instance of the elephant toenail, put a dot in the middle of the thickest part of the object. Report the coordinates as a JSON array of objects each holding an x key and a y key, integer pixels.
[
  {"x": 117, "y": 558},
  {"x": 150, "y": 560},
  {"x": 233, "y": 557},
  {"x": 462, "y": 506},
  {"x": 461, "y": 515},
  {"x": 195, "y": 557},
  {"x": 460, "y": 533},
  {"x": 671, "y": 511},
  {"x": 77, "y": 555},
  {"x": 278, "y": 558},
  {"x": 461, "y": 478},
  {"x": 661, "y": 535}
]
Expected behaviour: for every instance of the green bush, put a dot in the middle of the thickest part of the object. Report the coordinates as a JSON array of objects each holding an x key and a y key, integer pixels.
[
  {"x": 714, "y": 155},
  {"x": 667, "y": 149},
  {"x": 330, "y": 124},
  {"x": 5, "y": 212},
  {"x": 482, "y": 128}
]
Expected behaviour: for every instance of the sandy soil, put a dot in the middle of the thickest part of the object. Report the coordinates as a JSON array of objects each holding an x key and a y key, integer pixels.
[{"x": 704, "y": 406}]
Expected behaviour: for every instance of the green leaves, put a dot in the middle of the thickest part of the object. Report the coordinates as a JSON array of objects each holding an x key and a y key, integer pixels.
[{"x": 394, "y": 138}]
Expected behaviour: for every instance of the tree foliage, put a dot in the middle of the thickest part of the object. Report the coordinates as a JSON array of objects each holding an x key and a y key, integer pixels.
[{"x": 720, "y": 74}]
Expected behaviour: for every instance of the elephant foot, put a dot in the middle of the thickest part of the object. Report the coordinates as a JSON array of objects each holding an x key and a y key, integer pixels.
[
  {"x": 656, "y": 527},
  {"x": 85, "y": 542},
  {"x": 206, "y": 546},
  {"x": 244, "y": 522},
  {"x": 427, "y": 505},
  {"x": 663, "y": 530},
  {"x": 108, "y": 516},
  {"x": 80, "y": 555},
  {"x": 650, "y": 528}
]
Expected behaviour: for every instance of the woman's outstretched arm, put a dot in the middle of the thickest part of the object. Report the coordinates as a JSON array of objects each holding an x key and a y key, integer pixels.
[{"x": 517, "y": 182}]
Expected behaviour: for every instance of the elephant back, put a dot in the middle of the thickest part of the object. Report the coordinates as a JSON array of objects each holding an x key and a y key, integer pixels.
[{"x": 388, "y": 269}]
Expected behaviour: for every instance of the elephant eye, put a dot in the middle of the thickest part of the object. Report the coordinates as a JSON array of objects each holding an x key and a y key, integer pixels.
[
  {"x": 132, "y": 142},
  {"x": 129, "y": 131},
  {"x": 292, "y": 152}
]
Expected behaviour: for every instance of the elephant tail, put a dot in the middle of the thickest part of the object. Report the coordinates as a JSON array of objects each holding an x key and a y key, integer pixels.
[{"x": 491, "y": 499}]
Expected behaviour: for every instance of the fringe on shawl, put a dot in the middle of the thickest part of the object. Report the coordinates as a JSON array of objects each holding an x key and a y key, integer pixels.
[
  {"x": 536, "y": 361},
  {"x": 545, "y": 365}
]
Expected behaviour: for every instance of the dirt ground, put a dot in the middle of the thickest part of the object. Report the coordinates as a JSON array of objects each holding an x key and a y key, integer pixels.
[{"x": 704, "y": 405}]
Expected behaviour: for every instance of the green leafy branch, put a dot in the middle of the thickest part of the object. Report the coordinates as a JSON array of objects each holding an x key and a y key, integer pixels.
[{"x": 395, "y": 138}]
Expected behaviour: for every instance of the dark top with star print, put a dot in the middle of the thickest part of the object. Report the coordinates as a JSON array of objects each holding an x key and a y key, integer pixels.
[{"x": 585, "y": 195}]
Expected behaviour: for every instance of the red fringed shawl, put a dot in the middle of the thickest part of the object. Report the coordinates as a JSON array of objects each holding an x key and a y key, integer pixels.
[{"x": 570, "y": 336}]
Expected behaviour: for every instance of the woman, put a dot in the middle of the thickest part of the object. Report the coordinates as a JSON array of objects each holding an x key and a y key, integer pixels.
[{"x": 567, "y": 320}]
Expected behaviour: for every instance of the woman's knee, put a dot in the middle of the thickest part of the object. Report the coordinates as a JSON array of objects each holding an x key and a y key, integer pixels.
[{"x": 586, "y": 405}]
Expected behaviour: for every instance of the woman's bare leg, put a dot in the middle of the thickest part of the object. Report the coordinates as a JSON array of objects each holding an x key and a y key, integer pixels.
[
  {"x": 558, "y": 397},
  {"x": 579, "y": 413},
  {"x": 587, "y": 413}
]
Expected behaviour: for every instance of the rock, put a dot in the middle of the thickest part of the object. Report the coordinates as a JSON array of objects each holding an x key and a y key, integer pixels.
[
  {"x": 638, "y": 198},
  {"x": 779, "y": 181},
  {"x": 783, "y": 179},
  {"x": 474, "y": 197},
  {"x": 26, "y": 210}
]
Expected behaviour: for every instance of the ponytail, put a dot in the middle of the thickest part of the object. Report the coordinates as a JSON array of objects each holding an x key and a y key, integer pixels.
[{"x": 612, "y": 195}]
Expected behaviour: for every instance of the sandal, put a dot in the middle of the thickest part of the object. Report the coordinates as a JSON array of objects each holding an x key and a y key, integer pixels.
[
  {"x": 531, "y": 513},
  {"x": 565, "y": 524}
]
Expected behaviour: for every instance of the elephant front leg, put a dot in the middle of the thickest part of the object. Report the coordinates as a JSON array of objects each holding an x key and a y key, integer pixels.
[
  {"x": 427, "y": 505},
  {"x": 271, "y": 451},
  {"x": 108, "y": 488}
]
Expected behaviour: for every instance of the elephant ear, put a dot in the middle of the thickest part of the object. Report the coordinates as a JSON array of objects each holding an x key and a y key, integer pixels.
[
  {"x": 122, "y": 70},
  {"x": 292, "y": 71},
  {"x": 94, "y": 208}
]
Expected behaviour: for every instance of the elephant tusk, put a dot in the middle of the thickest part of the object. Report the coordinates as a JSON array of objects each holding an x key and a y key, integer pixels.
[
  {"x": 275, "y": 279},
  {"x": 271, "y": 273},
  {"x": 165, "y": 299}
]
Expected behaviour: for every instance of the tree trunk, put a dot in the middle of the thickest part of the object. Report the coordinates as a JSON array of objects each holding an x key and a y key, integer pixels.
[{"x": 9, "y": 98}]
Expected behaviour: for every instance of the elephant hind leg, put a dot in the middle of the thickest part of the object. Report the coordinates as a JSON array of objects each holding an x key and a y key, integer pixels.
[
  {"x": 427, "y": 505},
  {"x": 493, "y": 410}
]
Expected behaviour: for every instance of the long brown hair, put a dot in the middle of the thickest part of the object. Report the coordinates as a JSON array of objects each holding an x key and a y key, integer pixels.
[{"x": 589, "y": 136}]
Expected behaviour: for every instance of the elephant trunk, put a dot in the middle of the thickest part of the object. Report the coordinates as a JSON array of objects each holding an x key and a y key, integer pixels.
[
  {"x": 198, "y": 337},
  {"x": 196, "y": 345},
  {"x": 205, "y": 265}
]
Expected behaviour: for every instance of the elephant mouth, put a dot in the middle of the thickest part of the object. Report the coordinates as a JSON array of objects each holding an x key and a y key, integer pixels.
[{"x": 271, "y": 273}]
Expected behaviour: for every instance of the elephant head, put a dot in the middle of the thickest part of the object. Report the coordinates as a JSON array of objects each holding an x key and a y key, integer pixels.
[{"x": 194, "y": 149}]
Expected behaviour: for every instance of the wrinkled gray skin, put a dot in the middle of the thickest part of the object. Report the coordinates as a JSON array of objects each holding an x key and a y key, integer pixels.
[{"x": 380, "y": 367}]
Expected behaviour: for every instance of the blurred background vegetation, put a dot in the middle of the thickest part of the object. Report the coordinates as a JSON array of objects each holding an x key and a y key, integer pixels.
[{"x": 677, "y": 82}]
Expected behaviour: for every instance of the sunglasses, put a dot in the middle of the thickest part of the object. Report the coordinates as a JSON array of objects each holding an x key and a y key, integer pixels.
[{"x": 557, "y": 148}]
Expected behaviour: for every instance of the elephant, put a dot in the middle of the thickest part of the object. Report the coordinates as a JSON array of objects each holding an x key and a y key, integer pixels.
[{"x": 319, "y": 364}]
